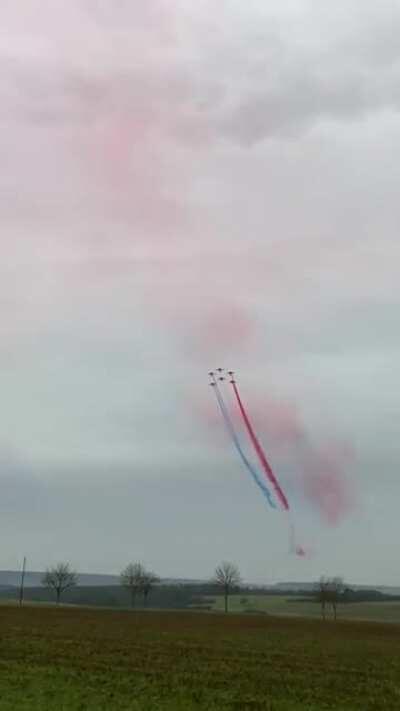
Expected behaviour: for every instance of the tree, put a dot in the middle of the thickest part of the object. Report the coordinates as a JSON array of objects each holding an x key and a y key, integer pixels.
[
  {"x": 148, "y": 581},
  {"x": 59, "y": 578},
  {"x": 321, "y": 594},
  {"x": 132, "y": 579},
  {"x": 329, "y": 592},
  {"x": 337, "y": 588},
  {"x": 227, "y": 576}
]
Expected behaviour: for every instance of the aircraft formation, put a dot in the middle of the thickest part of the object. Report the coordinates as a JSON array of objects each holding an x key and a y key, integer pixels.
[{"x": 263, "y": 475}]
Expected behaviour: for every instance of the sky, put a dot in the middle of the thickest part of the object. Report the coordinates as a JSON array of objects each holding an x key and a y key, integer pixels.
[{"x": 186, "y": 186}]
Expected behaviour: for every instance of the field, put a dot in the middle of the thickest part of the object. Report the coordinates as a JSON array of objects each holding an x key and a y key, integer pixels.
[
  {"x": 72, "y": 659},
  {"x": 289, "y": 606}
]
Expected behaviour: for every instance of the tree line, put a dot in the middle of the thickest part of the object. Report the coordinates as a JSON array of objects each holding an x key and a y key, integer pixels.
[
  {"x": 135, "y": 578},
  {"x": 138, "y": 581}
]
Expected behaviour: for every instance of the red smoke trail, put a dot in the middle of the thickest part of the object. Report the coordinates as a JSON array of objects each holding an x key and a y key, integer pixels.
[
  {"x": 325, "y": 484},
  {"x": 260, "y": 452}
]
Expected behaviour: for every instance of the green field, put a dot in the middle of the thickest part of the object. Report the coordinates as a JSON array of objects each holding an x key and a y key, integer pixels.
[
  {"x": 289, "y": 606},
  {"x": 71, "y": 659}
]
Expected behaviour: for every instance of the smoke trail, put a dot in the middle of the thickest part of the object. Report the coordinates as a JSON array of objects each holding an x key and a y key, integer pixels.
[
  {"x": 260, "y": 452},
  {"x": 294, "y": 547},
  {"x": 231, "y": 429}
]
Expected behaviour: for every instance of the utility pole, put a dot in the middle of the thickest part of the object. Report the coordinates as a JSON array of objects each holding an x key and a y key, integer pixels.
[{"x": 21, "y": 589}]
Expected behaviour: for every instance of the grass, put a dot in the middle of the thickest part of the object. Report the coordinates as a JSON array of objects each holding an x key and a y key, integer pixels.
[
  {"x": 290, "y": 607},
  {"x": 73, "y": 659}
]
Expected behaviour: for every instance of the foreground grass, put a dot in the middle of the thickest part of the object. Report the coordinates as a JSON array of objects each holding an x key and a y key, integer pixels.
[{"x": 79, "y": 659}]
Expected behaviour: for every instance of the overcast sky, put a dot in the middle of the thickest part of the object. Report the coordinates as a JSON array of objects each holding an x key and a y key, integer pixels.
[{"x": 187, "y": 185}]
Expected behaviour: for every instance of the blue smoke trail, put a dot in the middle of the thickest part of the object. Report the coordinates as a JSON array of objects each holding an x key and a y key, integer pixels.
[{"x": 232, "y": 432}]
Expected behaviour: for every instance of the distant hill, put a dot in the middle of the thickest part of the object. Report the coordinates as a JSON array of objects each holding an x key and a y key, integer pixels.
[
  {"x": 297, "y": 587},
  {"x": 12, "y": 578}
]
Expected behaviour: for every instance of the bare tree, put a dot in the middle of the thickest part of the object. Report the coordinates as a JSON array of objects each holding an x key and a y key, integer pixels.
[
  {"x": 59, "y": 578},
  {"x": 328, "y": 592},
  {"x": 147, "y": 583},
  {"x": 132, "y": 579},
  {"x": 227, "y": 576},
  {"x": 337, "y": 589},
  {"x": 321, "y": 594},
  {"x": 22, "y": 583}
]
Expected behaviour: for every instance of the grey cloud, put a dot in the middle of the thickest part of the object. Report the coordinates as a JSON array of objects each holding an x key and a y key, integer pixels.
[
  {"x": 178, "y": 522},
  {"x": 257, "y": 84},
  {"x": 284, "y": 78},
  {"x": 103, "y": 286},
  {"x": 303, "y": 98},
  {"x": 22, "y": 491},
  {"x": 298, "y": 104}
]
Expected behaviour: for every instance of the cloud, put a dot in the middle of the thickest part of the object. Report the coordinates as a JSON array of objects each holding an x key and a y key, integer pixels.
[
  {"x": 329, "y": 74},
  {"x": 184, "y": 187}
]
